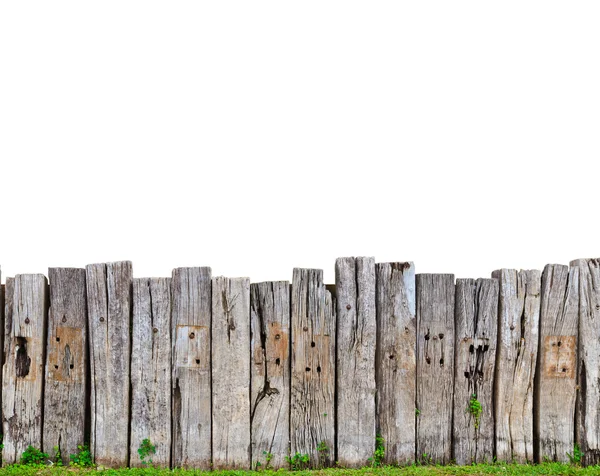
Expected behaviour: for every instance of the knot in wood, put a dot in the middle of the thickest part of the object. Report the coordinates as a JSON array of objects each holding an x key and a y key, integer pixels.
[
  {"x": 192, "y": 335},
  {"x": 305, "y": 329},
  {"x": 512, "y": 327},
  {"x": 155, "y": 330},
  {"x": 277, "y": 337},
  {"x": 64, "y": 318},
  {"x": 26, "y": 320}
]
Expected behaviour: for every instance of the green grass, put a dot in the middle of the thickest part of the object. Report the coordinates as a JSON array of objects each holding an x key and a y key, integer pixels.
[{"x": 482, "y": 469}]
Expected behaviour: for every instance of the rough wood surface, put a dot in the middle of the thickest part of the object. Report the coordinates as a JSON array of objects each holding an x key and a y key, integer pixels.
[
  {"x": 555, "y": 395},
  {"x": 312, "y": 412},
  {"x": 435, "y": 366},
  {"x": 518, "y": 338},
  {"x": 151, "y": 370},
  {"x": 109, "y": 322},
  {"x": 23, "y": 372},
  {"x": 588, "y": 399},
  {"x": 396, "y": 360},
  {"x": 476, "y": 320},
  {"x": 191, "y": 320},
  {"x": 9, "y": 291},
  {"x": 270, "y": 385},
  {"x": 65, "y": 391},
  {"x": 231, "y": 373},
  {"x": 355, "y": 371}
]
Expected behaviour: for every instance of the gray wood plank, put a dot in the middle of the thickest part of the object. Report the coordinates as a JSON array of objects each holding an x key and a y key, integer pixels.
[
  {"x": 151, "y": 370},
  {"x": 476, "y": 321},
  {"x": 23, "y": 373},
  {"x": 396, "y": 360},
  {"x": 191, "y": 400},
  {"x": 9, "y": 291},
  {"x": 518, "y": 338},
  {"x": 588, "y": 379},
  {"x": 312, "y": 412},
  {"x": 555, "y": 395},
  {"x": 435, "y": 366},
  {"x": 270, "y": 385},
  {"x": 109, "y": 322},
  {"x": 355, "y": 371},
  {"x": 65, "y": 390},
  {"x": 231, "y": 372}
]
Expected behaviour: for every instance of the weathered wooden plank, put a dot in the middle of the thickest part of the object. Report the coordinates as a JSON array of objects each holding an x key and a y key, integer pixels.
[
  {"x": 476, "y": 321},
  {"x": 65, "y": 391},
  {"x": 231, "y": 373},
  {"x": 9, "y": 291},
  {"x": 23, "y": 373},
  {"x": 191, "y": 321},
  {"x": 396, "y": 360},
  {"x": 587, "y": 428},
  {"x": 435, "y": 366},
  {"x": 270, "y": 385},
  {"x": 312, "y": 412},
  {"x": 109, "y": 322},
  {"x": 518, "y": 338},
  {"x": 355, "y": 370},
  {"x": 151, "y": 370},
  {"x": 555, "y": 395}
]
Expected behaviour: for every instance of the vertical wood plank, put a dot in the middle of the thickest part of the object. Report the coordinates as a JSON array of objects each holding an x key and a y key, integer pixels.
[
  {"x": 270, "y": 385},
  {"x": 109, "y": 322},
  {"x": 151, "y": 370},
  {"x": 9, "y": 291},
  {"x": 191, "y": 321},
  {"x": 555, "y": 393},
  {"x": 476, "y": 320},
  {"x": 355, "y": 370},
  {"x": 435, "y": 366},
  {"x": 312, "y": 412},
  {"x": 65, "y": 391},
  {"x": 518, "y": 336},
  {"x": 231, "y": 373},
  {"x": 23, "y": 373},
  {"x": 588, "y": 399},
  {"x": 396, "y": 360}
]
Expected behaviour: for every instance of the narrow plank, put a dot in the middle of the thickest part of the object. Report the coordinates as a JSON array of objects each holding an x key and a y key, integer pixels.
[
  {"x": 191, "y": 400},
  {"x": 231, "y": 373},
  {"x": 588, "y": 401},
  {"x": 23, "y": 374},
  {"x": 9, "y": 292},
  {"x": 151, "y": 370},
  {"x": 355, "y": 360},
  {"x": 270, "y": 385},
  {"x": 476, "y": 321},
  {"x": 435, "y": 366},
  {"x": 518, "y": 338},
  {"x": 312, "y": 412},
  {"x": 396, "y": 360},
  {"x": 109, "y": 322},
  {"x": 65, "y": 391},
  {"x": 555, "y": 394}
]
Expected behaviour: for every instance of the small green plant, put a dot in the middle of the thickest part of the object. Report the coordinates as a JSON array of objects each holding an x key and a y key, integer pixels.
[
  {"x": 298, "y": 462},
  {"x": 377, "y": 459},
  {"x": 426, "y": 459},
  {"x": 146, "y": 450},
  {"x": 83, "y": 458},
  {"x": 57, "y": 456},
  {"x": 475, "y": 410},
  {"x": 33, "y": 457},
  {"x": 268, "y": 458},
  {"x": 575, "y": 457},
  {"x": 417, "y": 412},
  {"x": 323, "y": 451}
]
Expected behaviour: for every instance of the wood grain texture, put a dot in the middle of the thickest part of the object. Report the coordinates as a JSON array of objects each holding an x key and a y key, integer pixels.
[
  {"x": 588, "y": 376},
  {"x": 555, "y": 394},
  {"x": 191, "y": 322},
  {"x": 396, "y": 360},
  {"x": 9, "y": 292},
  {"x": 355, "y": 371},
  {"x": 231, "y": 373},
  {"x": 109, "y": 322},
  {"x": 435, "y": 366},
  {"x": 518, "y": 336},
  {"x": 476, "y": 320},
  {"x": 23, "y": 372},
  {"x": 270, "y": 367},
  {"x": 151, "y": 370},
  {"x": 312, "y": 412},
  {"x": 65, "y": 391}
]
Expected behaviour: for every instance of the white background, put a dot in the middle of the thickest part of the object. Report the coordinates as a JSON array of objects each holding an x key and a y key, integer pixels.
[{"x": 259, "y": 136}]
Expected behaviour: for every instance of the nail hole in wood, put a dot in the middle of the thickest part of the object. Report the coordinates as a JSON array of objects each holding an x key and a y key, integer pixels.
[
  {"x": 312, "y": 344},
  {"x": 391, "y": 356},
  {"x": 305, "y": 329},
  {"x": 56, "y": 367},
  {"x": 427, "y": 336},
  {"x": 486, "y": 348},
  {"x": 441, "y": 336},
  {"x": 277, "y": 337},
  {"x": 64, "y": 318},
  {"x": 467, "y": 374},
  {"x": 564, "y": 369},
  {"x": 101, "y": 319},
  {"x": 155, "y": 330},
  {"x": 198, "y": 361},
  {"x": 26, "y": 320},
  {"x": 558, "y": 344},
  {"x": 471, "y": 349},
  {"x": 277, "y": 361},
  {"x": 58, "y": 339},
  {"x": 441, "y": 362},
  {"x": 192, "y": 335},
  {"x": 71, "y": 366},
  {"x": 308, "y": 369},
  {"x": 428, "y": 360},
  {"x": 319, "y": 369}
]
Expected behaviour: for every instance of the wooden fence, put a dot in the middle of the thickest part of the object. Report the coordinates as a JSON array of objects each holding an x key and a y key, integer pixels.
[{"x": 220, "y": 373}]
